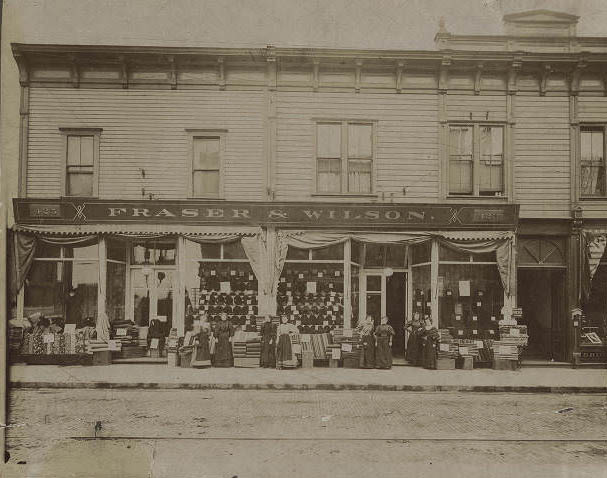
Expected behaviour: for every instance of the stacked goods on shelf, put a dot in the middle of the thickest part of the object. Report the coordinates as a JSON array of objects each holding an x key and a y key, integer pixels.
[
  {"x": 126, "y": 334},
  {"x": 71, "y": 343},
  {"x": 319, "y": 344},
  {"x": 485, "y": 353},
  {"x": 514, "y": 334},
  {"x": 97, "y": 345},
  {"x": 246, "y": 349},
  {"x": 421, "y": 303},
  {"x": 226, "y": 287},
  {"x": 471, "y": 317},
  {"x": 504, "y": 350},
  {"x": 311, "y": 295},
  {"x": 350, "y": 344},
  {"x": 15, "y": 339},
  {"x": 447, "y": 347}
]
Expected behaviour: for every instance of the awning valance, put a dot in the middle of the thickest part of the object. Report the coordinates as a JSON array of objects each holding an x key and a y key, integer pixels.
[{"x": 136, "y": 230}]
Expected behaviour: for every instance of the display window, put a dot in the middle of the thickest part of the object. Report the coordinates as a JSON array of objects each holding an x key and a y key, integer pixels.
[
  {"x": 62, "y": 283},
  {"x": 219, "y": 279},
  {"x": 311, "y": 288},
  {"x": 470, "y": 294},
  {"x": 116, "y": 279},
  {"x": 421, "y": 261},
  {"x": 594, "y": 320}
]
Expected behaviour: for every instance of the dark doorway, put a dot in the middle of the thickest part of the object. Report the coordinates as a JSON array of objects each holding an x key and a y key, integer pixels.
[
  {"x": 395, "y": 310},
  {"x": 542, "y": 295}
]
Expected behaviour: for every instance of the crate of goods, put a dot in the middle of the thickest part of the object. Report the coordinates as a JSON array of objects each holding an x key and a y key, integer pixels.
[
  {"x": 185, "y": 357},
  {"x": 173, "y": 359},
  {"x": 307, "y": 359},
  {"x": 465, "y": 362},
  {"x": 102, "y": 357},
  {"x": 445, "y": 364},
  {"x": 505, "y": 364}
]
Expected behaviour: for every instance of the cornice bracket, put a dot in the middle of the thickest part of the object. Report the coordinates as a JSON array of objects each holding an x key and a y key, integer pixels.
[
  {"x": 315, "y": 74},
  {"x": 443, "y": 76},
  {"x": 547, "y": 69},
  {"x": 124, "y": 72},
  {"x": 400, "y": 73},
  {"x": 357, "y": 75},
  {"x": 221, "y": 73},
  {"x": 478, "y": 76},
  {"x": 23, "y": 69}
]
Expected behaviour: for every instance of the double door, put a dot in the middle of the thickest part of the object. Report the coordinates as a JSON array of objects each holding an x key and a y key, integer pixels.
[
  {"x": 385, "y": 295},
  {"x": 153, "y": 294}
]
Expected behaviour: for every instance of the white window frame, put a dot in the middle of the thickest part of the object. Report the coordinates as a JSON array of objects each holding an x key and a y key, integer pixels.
[
  {"x": 344, "y": 156},
  {"x": 476, "y": 158},
  {"x": 585, "y": 127},
  {"x": 73, "y": 131},
  {"x": 207, "y": 134}
]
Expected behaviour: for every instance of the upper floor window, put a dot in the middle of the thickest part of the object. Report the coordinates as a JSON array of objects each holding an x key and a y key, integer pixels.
[
  {"x": 206, "y": 166},
  {"x": 476, "y": 160},
  {"x": 592, "y": 161},
  {"x": 344, "y": 157},
  {"x": 81, "y": 162}
]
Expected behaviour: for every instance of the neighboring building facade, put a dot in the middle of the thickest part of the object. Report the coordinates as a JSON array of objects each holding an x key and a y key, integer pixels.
[{"x": 293, "y": 179}]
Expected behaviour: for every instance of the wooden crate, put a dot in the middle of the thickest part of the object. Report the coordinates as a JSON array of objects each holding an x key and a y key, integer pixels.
[
  {"x": 464, "y": 363},
  {"x": 333, "y": 363},
  {"x": 173, "y": 359},
  {"x": 445, "y": 364},
  {"x": 505, "y": 364},
  {"x": 102, "y": 357},
  {"x": 307, "y": 359}
]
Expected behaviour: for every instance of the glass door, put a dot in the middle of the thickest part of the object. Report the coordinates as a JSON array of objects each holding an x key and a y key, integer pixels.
[
  {"x": 374, "y": 303},
  {"x": 153, "y": 291}
]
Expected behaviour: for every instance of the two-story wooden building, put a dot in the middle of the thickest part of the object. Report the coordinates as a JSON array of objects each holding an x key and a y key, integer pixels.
[{"x": 322, "y": 184}]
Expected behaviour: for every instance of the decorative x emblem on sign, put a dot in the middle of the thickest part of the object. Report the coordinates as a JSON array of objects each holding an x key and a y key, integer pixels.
[
  {"x": 454, "y": 216},
  {"x": 79, "y": 212}
]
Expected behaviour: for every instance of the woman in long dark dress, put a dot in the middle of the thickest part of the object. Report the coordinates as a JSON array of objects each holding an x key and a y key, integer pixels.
[
  {"x": 383, "y": 350},
  {"x": 367, "y": 356},
  {"x": 413, "y": 349},
  {"x": 285, "y": 357},
  {"x": 202, "y": 354},
  {"x": 223, "y": 343},
  {"x": 268, "y": 344},
  {"x": 430, "y": 339}
]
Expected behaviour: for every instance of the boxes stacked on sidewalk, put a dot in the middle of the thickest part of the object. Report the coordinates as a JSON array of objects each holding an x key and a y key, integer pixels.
[
  {"x": 126, "y": 334},
  {"x": 246, "y": 348},
  {"x": 349, "y": 342}
]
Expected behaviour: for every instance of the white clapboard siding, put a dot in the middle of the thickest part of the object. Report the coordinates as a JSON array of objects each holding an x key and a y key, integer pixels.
[
  {"x": 147, "y": 129},
  {"x": 476, "y": 108},
  {"x": 406, "y": 141},
  {"x": 542, "y": 156},
  {"x": 593, "y": 110}
]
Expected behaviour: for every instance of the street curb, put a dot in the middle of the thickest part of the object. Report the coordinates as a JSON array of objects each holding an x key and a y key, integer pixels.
[{"x": 316, "y": 386}]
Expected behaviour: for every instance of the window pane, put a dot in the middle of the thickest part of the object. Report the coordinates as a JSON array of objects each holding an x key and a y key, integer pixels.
[
  {"x": 420, "y": 253},
  {"x": 460, "y": 141},
  {"x": 374, "y": 283},
  {"x": 297, "y": 254},
  {"x": 329, "y": 175},
  {"x": 116, "y": 250},
  {"x": 81, "y": 279},
  {"x": 210, "y": 251},
  {"x": 360, "y": 141},
  {"x": 206, "y": 182},
  {"x": 86, "y": 150},
  {"x": 335, "y": 252},
  {"x": 44, "y": 250},
  {"x": 395, "y": 255},
  {"x": 73, "y": 150},
  {"x": 206, "y": 153},
  {"x": 460, "y": 177},
  {"x": 233, "y": 250},
  {"x": 592, "y": 163},
  {"x": 374, "y": 255},
  {"x": 164, "y": 252},
  {"x": 44, "y": 288},
  {"x": 460, "y": 160},
  {"x": 449, "y": 254},
  {"x": 141, "y": 254},
  {"x": 79, "y": 184},
  {"x": 88, "y": 252},
  {"x": 491, "y": 164},
  {"x": 359, "y": 176},
  {"x": 116, "y": 290},
  {"x": 328, "y": 141}
]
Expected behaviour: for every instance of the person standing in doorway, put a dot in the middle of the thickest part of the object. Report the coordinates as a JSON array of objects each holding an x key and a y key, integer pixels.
[
  {"x": 367, "y": 356},
  {"x": 383, "y": 339}
]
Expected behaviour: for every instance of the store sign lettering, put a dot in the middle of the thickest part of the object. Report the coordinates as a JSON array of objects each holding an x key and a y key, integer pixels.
[{"x": 292, "y": 214}]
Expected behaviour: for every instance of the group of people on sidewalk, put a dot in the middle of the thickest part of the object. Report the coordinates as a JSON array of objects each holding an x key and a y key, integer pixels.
[{"x": 213, "y": 346}]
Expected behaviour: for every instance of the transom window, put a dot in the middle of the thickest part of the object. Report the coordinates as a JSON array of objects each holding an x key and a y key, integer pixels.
[
  {"x": 592, "y": 161},
  {"x": 476, "y": 160},
  {"x": 344, "y": 157}
]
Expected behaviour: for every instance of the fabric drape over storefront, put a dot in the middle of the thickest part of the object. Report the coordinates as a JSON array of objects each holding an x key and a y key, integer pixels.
[
  {"x": 21, "y": 252},
  {"x": 500, "y": 242}
]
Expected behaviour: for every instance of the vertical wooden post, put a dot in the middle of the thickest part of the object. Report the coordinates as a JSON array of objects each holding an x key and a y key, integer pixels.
[
  {"x": 434, "y": 282},
  {"x": 409, "y": 289},
  {"x": 179, "y": 294},
  {"x": 347, "y": 284},
  {"x": 102, "y": 287}
]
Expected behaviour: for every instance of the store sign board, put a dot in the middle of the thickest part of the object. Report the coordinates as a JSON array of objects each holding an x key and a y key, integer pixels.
[{"x": 28, "y": 211}]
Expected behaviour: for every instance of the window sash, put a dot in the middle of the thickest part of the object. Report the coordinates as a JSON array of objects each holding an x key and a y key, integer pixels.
[
  {"x": 346, "y": 165},
  {"x": 476, "y": 160},
  {"x": 592, "y": 162},
  {"x": 206, "y": 166}
]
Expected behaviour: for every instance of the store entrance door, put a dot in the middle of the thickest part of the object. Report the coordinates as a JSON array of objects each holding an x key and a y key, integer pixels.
[
  {"x": 386, "y": 295},
  {"x": 542, "y": 295},
  {"x": 152, "y": 295}
]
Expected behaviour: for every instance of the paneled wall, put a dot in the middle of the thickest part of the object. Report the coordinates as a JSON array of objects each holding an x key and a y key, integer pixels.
[
  {"x": 146, "y": 129},
  {"x": 406, "y": 141}
]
